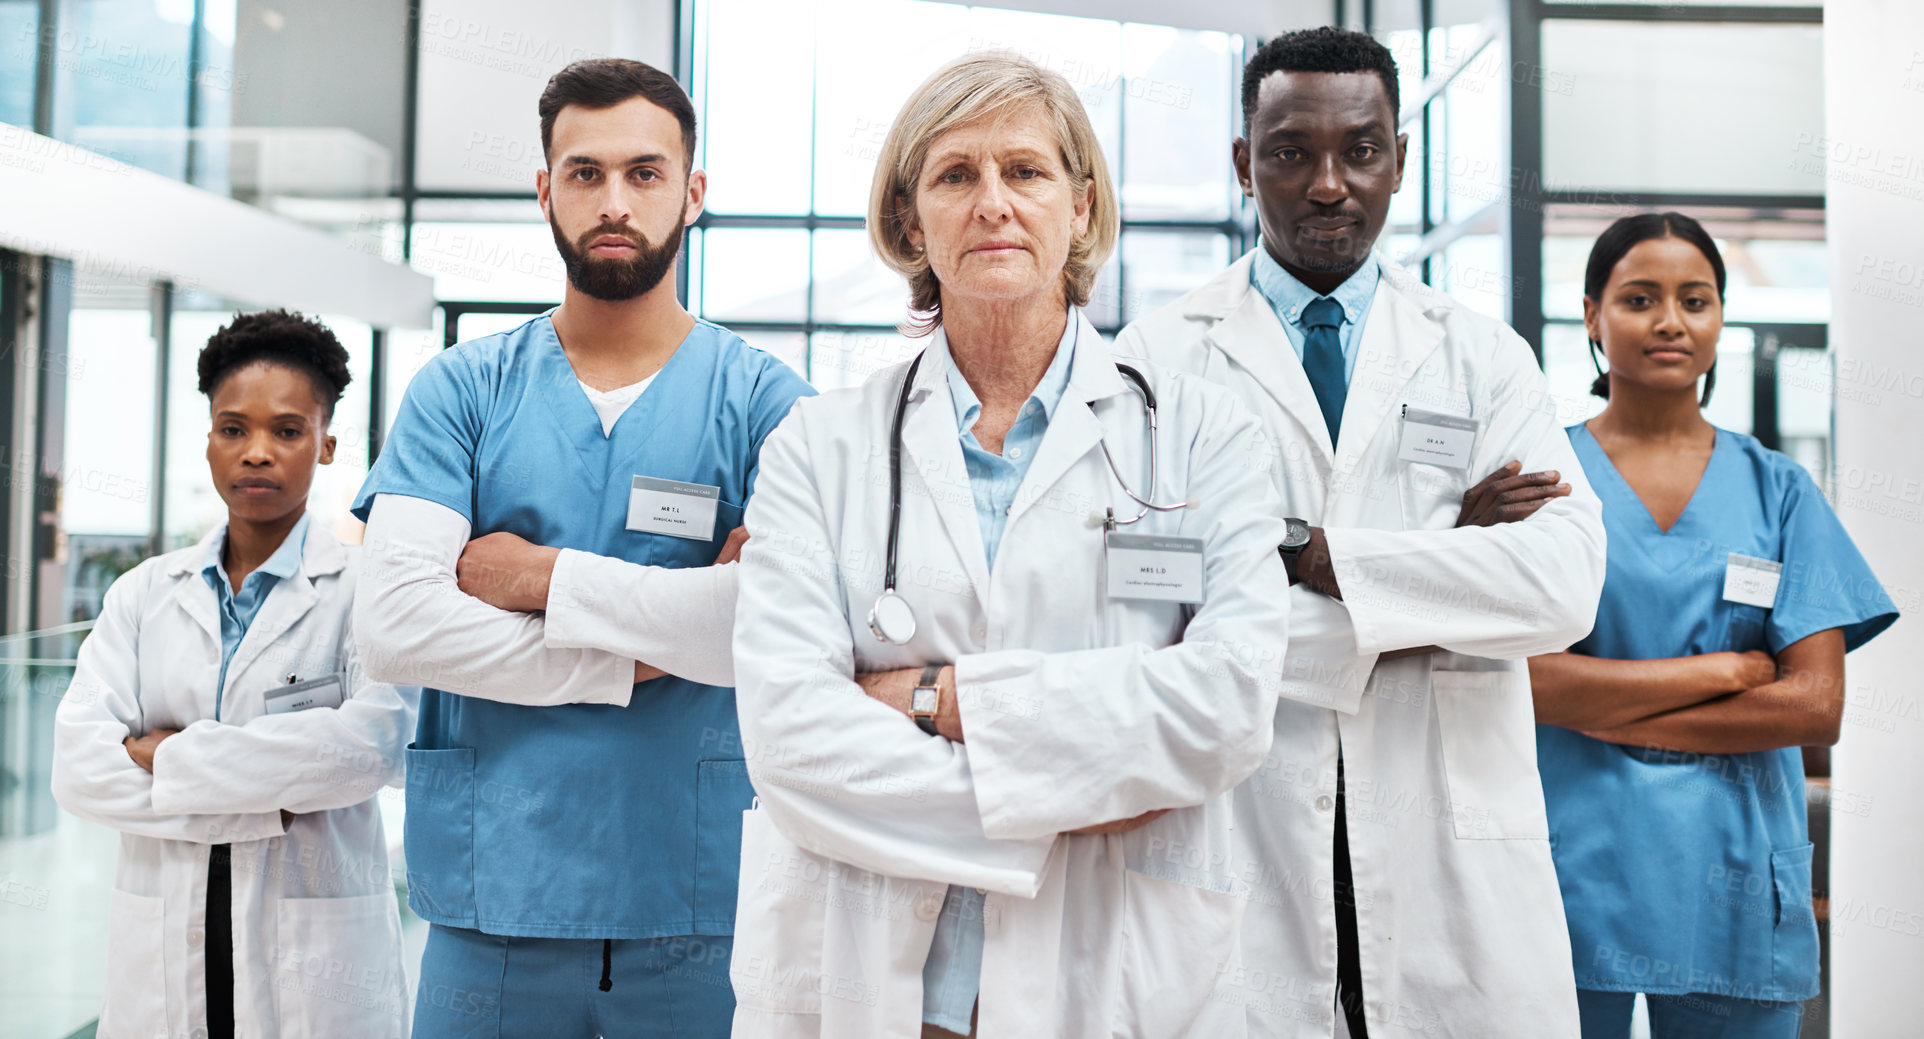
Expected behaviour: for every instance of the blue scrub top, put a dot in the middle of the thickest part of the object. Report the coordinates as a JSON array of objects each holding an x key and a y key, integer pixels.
[
  {"x": 587, "y": 820},
  {"x": 1686, "y": 872}
]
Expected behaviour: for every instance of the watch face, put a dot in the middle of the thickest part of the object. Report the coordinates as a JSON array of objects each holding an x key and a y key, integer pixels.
[
  {"x": 1297, "y": 536},
  {"x": 923, "y": 702}
]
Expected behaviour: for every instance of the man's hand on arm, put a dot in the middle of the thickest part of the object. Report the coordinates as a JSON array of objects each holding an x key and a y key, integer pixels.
[{"x": 1504, "y": 496}]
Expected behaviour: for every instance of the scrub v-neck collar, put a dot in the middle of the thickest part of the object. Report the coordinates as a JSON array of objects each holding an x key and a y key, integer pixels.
[
  {"x": 576, "y": 415},
  {"x": 1623, "y": 485}
]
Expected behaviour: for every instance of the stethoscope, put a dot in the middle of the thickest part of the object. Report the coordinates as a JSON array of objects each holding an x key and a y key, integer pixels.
[{"x": 891, "y": 619}]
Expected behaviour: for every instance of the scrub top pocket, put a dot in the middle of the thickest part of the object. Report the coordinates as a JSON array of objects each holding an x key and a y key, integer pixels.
[
  {"x": 1793, "y": 940},
  {"x": 438, "y": 834},
  {"x": 722, "y": 792}
]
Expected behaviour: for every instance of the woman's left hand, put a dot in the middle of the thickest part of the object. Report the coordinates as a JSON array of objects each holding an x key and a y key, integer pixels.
[{"x": 141, "y": 748}]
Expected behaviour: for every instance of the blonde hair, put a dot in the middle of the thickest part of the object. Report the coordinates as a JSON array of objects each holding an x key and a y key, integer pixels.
[{"x": 965, "y": 90}]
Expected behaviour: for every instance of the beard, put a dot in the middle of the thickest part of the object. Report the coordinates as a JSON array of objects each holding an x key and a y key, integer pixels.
[{"x": 614, "y": 281}]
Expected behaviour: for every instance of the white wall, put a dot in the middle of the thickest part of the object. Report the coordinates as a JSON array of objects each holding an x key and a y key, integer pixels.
[{"x": 1874, "y": 83}]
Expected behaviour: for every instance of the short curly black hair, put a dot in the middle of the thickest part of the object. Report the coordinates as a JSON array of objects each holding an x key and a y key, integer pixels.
[
  {"x": 278, "y": 337},
  {"x": 1322, "y": 49}
]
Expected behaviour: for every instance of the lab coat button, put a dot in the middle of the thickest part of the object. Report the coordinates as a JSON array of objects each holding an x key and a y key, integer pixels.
[
  {"x": 929, "y": 909},
  {"x": 980, "y": 632},
  {"x": 1324, "y": 803},
  {"x": 194, "y": 938}
]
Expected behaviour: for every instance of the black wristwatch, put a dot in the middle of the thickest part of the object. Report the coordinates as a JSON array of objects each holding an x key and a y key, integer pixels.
[
  {"x": 926, "y": 697},
  {"x": 1295, "y": 539}
]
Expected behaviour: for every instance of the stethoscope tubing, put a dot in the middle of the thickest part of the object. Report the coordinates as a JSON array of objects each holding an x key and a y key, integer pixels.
[{"x": 1129, "y": 372}]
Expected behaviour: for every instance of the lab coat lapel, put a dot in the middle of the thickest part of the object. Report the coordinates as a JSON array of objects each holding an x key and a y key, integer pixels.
[
  {"x": 1398, "y": 336},
  {"x": 192, "y": 593},
  {"x": 1251, "y": 335},
  {"x": 1074, "y": 430},
  {"x": 932, "y": 450},
  {"x": 290, "y": 600}
]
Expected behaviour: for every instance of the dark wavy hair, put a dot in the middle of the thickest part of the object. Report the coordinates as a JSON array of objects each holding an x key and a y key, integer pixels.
[
  {"x": 1621, "y": 237},
  {"x": 283, "y": 338},
  {"x": 597, "y": 83}
]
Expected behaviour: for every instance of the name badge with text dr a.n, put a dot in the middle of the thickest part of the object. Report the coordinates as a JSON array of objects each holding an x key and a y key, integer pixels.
[
  {"x": 679, "y": 510},
  {"x": 1437, "y": 439}
]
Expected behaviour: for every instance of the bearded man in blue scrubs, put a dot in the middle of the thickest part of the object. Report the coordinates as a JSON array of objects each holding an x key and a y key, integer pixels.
[{"x": 549, "y": 528}]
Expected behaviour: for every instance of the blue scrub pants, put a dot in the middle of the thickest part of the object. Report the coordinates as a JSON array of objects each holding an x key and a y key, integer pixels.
[
  {"x": 485, "y": 986},
  {"x": 1606, "y": 1015}
]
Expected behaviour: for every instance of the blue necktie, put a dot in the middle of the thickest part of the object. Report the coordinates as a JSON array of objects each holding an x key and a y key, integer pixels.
[{"x": 1323, "y": 360}]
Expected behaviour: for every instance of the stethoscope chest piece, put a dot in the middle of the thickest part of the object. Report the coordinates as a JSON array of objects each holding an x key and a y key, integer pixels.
[{"x": 891, "y": 619}]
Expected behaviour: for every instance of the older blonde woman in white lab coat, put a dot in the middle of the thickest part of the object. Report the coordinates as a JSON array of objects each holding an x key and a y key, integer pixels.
[
  {"x": 980, "y": 843},
  {"x": 219, "y": 720}
]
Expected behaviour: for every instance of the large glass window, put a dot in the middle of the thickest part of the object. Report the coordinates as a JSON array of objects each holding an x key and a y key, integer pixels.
[
  {"x": 1683, "y": 107},
  {"x": 781, "y": 254},
  {"x": 19, "y": 59},
  {"x": 106, "y": 478}
]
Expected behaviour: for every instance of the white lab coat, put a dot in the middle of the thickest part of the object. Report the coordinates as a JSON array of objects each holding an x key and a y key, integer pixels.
[
  {"x": 1077, "y": 710},
  {"x": 317, "y": 939},
  {"x": 1460, "y": 922}
]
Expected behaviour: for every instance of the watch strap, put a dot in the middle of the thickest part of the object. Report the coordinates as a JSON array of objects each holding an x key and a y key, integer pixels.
[{"x": 931, "y": 679}]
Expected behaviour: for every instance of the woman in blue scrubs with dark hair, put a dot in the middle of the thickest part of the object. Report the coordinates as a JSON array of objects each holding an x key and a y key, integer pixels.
[{"x": 1669, "y": 738}]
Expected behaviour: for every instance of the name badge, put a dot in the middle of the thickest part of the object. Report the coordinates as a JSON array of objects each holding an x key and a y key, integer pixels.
[
  {"x": 1436, "y": 439},
  {"x": 1144, "y": 566},
  {"x": 326, "y": 691},
  {"x": 679, "y": 510},
  {"x": 1752, "y": 581}
]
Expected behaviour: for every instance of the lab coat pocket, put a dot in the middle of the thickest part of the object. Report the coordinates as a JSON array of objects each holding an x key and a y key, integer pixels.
[
  {"x": 1488, "y": 732},
  {"x": 779, "y": 916},
  {"x": 1176, "y": 939},
  {"x": 337, "y": 967},
  {"x": 137, "y": 969},
  {"x": 1432, "y": 495},
  {"x": 1793, "y": 941},
  {"x": 722, "y": 791},
  {"x": 438, "y": 834}
]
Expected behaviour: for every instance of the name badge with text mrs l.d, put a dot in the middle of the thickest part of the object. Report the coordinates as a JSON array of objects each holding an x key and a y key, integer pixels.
[
  {"x": 1752, "y": 581},
  {"x": 325, "y": 691},
  {"x": 680, "y": 510},
  {"x": 1435, "y": 438},
  {"x": 1144, "y": 566}
]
